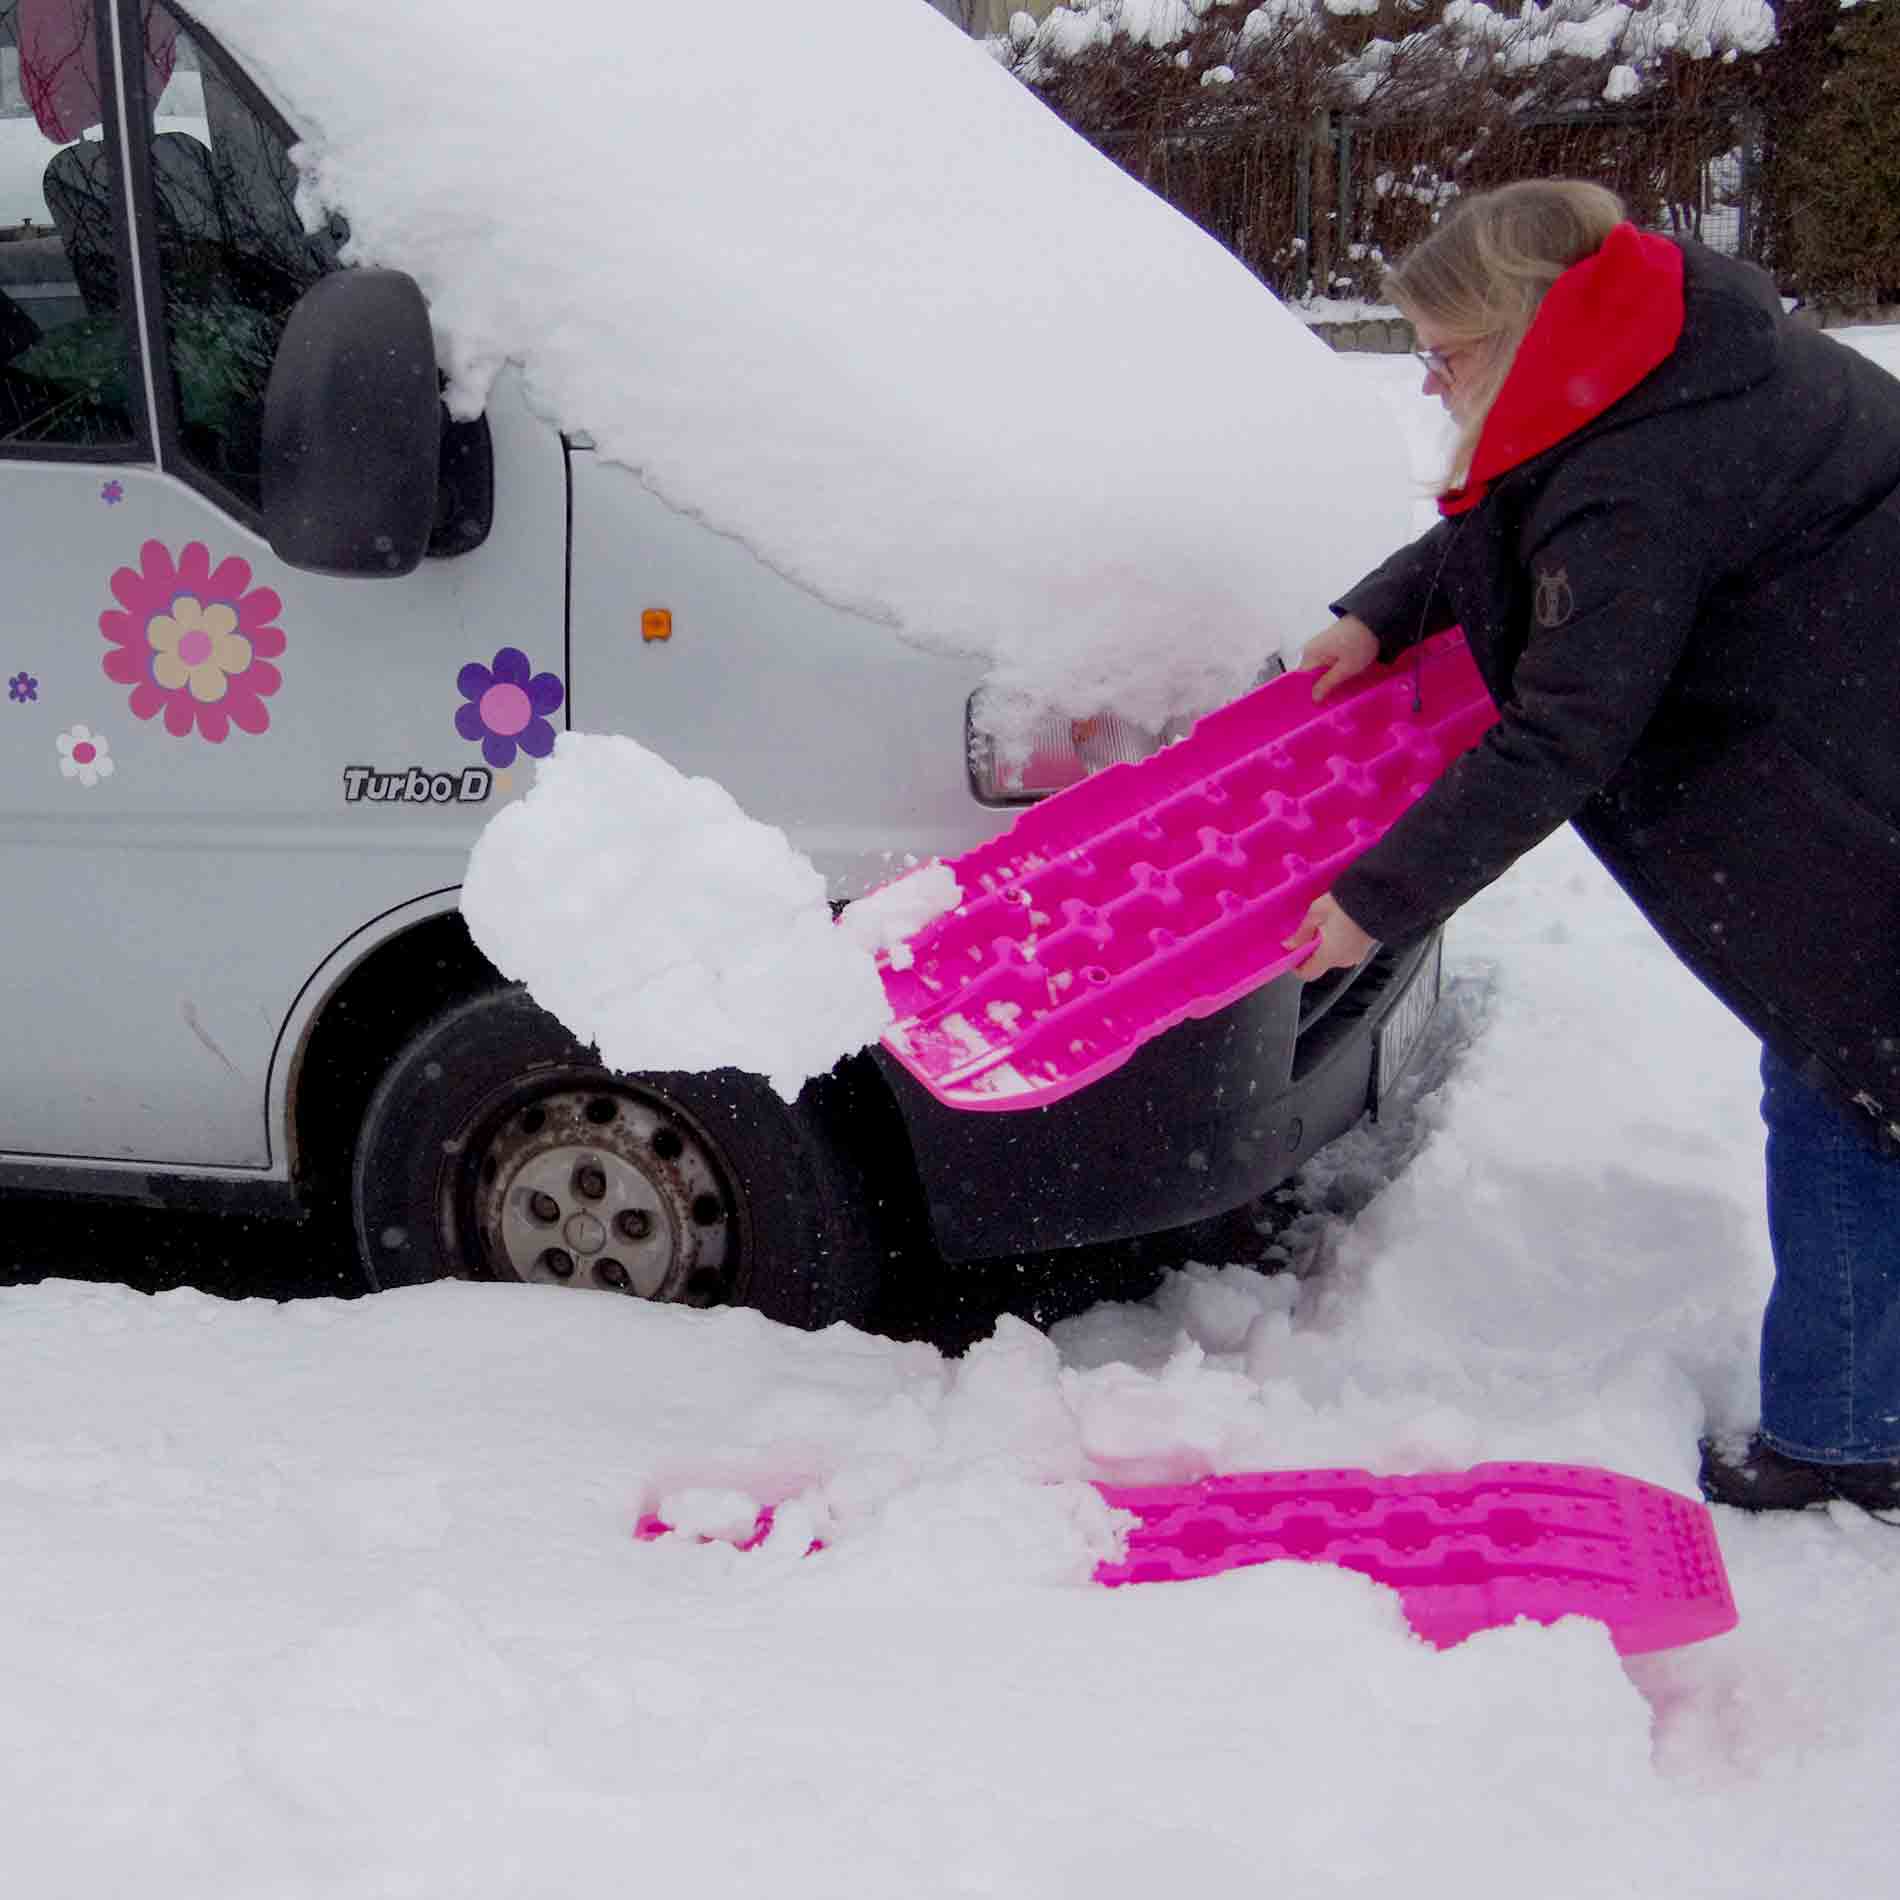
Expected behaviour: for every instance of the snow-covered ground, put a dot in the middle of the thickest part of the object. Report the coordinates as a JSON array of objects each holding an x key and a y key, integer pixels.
[{"x": 333, "y": 1600}]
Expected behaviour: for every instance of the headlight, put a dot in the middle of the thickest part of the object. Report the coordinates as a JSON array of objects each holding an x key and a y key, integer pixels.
[{"x": 1060, "y": 752}]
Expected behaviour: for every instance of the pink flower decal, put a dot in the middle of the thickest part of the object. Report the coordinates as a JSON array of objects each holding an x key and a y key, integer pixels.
[
  {"x": 194, "y": 642},
  {"x": 506, "y": 708}
]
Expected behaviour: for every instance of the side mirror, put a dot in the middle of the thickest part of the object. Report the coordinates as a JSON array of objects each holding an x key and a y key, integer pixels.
[{"x": 353, "y": 428}]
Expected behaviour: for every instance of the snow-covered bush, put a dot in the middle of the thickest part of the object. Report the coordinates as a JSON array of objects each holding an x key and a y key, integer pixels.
[{"x": 1319, "y": 137}]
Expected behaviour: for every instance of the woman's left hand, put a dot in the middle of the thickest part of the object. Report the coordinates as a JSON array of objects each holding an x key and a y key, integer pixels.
[{"x": 1339, "y": 945}]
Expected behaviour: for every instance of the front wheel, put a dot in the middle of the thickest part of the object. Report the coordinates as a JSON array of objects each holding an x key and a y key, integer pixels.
[{"x": 496, "y": 1147}]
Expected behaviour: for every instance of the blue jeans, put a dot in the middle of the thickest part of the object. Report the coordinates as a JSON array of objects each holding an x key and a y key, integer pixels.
[{"x": 1830, "y": 1340}]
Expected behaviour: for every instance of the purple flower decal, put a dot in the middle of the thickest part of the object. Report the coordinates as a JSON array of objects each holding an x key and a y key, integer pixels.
[
  {"x": 22, "y": 687},
  {"x": 507, "y": 708},
  {"x": 112, "y": 493}
]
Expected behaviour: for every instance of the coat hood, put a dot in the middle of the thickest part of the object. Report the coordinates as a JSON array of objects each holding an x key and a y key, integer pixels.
[{"x": 1608, "y": 324}]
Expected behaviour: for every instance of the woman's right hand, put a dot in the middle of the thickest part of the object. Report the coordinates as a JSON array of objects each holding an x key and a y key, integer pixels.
[{"x": 1345, "y": 649}]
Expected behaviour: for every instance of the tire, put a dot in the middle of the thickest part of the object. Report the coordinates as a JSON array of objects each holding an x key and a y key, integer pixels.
[{"x": 496, "y": 1147}]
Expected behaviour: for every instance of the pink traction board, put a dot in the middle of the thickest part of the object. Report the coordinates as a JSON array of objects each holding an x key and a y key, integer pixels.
[
  {"x": 1161, "y": 890},
  {"x": 1465, "y": 1550}
]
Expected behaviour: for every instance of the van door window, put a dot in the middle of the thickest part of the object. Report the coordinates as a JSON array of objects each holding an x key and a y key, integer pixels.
[
  {"x": 233, "y": 254},
  {"x": 65, "y": 372}
]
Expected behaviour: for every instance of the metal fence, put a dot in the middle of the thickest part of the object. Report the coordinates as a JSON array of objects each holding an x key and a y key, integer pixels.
[{"x": 1317, "y": 208}]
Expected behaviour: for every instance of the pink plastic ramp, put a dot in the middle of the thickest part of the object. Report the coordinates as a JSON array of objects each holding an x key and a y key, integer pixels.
[
  {"x": 1466, "y": 1550},
  {"x": 1161, "y": 890},
  {"x": 652, "y": 1527}
]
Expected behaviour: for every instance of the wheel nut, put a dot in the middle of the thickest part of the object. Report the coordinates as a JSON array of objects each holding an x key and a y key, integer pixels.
[
  {"x": 633, "y": 1223},
  {"x": 590, "y": 1181},
  {"x": 612, "y": 1273},
  {"x": 558, "y": 1263},
  {"x": 545, "y": 1208}
]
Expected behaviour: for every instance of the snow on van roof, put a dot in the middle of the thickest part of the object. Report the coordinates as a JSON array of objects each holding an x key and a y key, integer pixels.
[{"x": 832, "y": 281}]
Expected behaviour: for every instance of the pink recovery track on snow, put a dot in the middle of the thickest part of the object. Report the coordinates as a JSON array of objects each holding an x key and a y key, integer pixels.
[
  {"x": 1161, "y": 890},
  {"x": 1465, "y": 1550}
]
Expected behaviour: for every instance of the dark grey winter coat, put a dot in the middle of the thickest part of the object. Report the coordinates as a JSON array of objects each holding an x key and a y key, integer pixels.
[{"x": 1688, "y": 613}]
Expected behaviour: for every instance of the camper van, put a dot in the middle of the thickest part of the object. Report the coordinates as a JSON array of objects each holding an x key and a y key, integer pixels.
[{"x": 282, "y": 635}]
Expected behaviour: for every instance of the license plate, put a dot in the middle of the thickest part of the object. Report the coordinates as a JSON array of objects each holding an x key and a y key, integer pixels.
[{"x": 1397, "y": 1037}]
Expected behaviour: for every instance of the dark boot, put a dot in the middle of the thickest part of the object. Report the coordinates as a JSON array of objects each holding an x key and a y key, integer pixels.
[{"x": 1752, "y": 1476}]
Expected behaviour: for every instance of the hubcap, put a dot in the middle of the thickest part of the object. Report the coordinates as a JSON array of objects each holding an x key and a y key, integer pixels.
[{"x": 607, "y": 1190}]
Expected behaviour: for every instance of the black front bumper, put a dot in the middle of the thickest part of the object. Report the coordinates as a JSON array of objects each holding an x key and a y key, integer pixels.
[{"x": 1197, "y": 1122}]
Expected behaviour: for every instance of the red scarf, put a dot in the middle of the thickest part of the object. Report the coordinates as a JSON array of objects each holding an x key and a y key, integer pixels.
[{"x": 1601, "y": 328}]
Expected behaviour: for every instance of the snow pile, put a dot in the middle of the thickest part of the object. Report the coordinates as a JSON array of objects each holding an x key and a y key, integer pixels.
[
  {"x": 832, "y": 281},
  {"x": 393, "y": 1635},
  {"x": 658, "y": 922}
]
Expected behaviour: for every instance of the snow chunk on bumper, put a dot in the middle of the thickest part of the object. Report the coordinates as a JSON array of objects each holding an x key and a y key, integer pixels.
[{"x": 658, "y": 922}]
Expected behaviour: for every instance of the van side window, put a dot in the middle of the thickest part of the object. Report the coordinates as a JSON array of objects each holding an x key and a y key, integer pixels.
[
  {"x": 233, "y": 254},
  {"x": 65, "y": 376}
]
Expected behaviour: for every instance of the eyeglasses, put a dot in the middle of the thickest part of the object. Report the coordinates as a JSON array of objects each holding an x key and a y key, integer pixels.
[{"x": 1439, "y": 362}]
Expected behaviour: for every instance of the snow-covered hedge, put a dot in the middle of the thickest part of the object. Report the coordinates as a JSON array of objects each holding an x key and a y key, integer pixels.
[
  {"x": 1207, "y": 34},
  {"x": 1317, "y": 137}
]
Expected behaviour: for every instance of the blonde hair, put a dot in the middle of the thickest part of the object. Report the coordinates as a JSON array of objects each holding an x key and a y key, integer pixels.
[{"x": 1481, "y": 275}]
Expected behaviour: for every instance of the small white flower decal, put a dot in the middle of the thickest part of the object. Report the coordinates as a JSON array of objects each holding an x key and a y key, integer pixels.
[{"x": 84, "y": 755}]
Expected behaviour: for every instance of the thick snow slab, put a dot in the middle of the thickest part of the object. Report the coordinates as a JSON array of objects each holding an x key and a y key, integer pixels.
[
  {"x": 658, "y": 922},
  {"x": 830, "y": 279}
]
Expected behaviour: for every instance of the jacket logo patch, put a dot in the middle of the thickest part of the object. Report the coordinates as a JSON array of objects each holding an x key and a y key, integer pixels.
[{"x": 1555, "y": 602}]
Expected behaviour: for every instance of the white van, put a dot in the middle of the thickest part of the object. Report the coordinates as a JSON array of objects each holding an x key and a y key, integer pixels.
[{"x": 280, "y": 637}]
